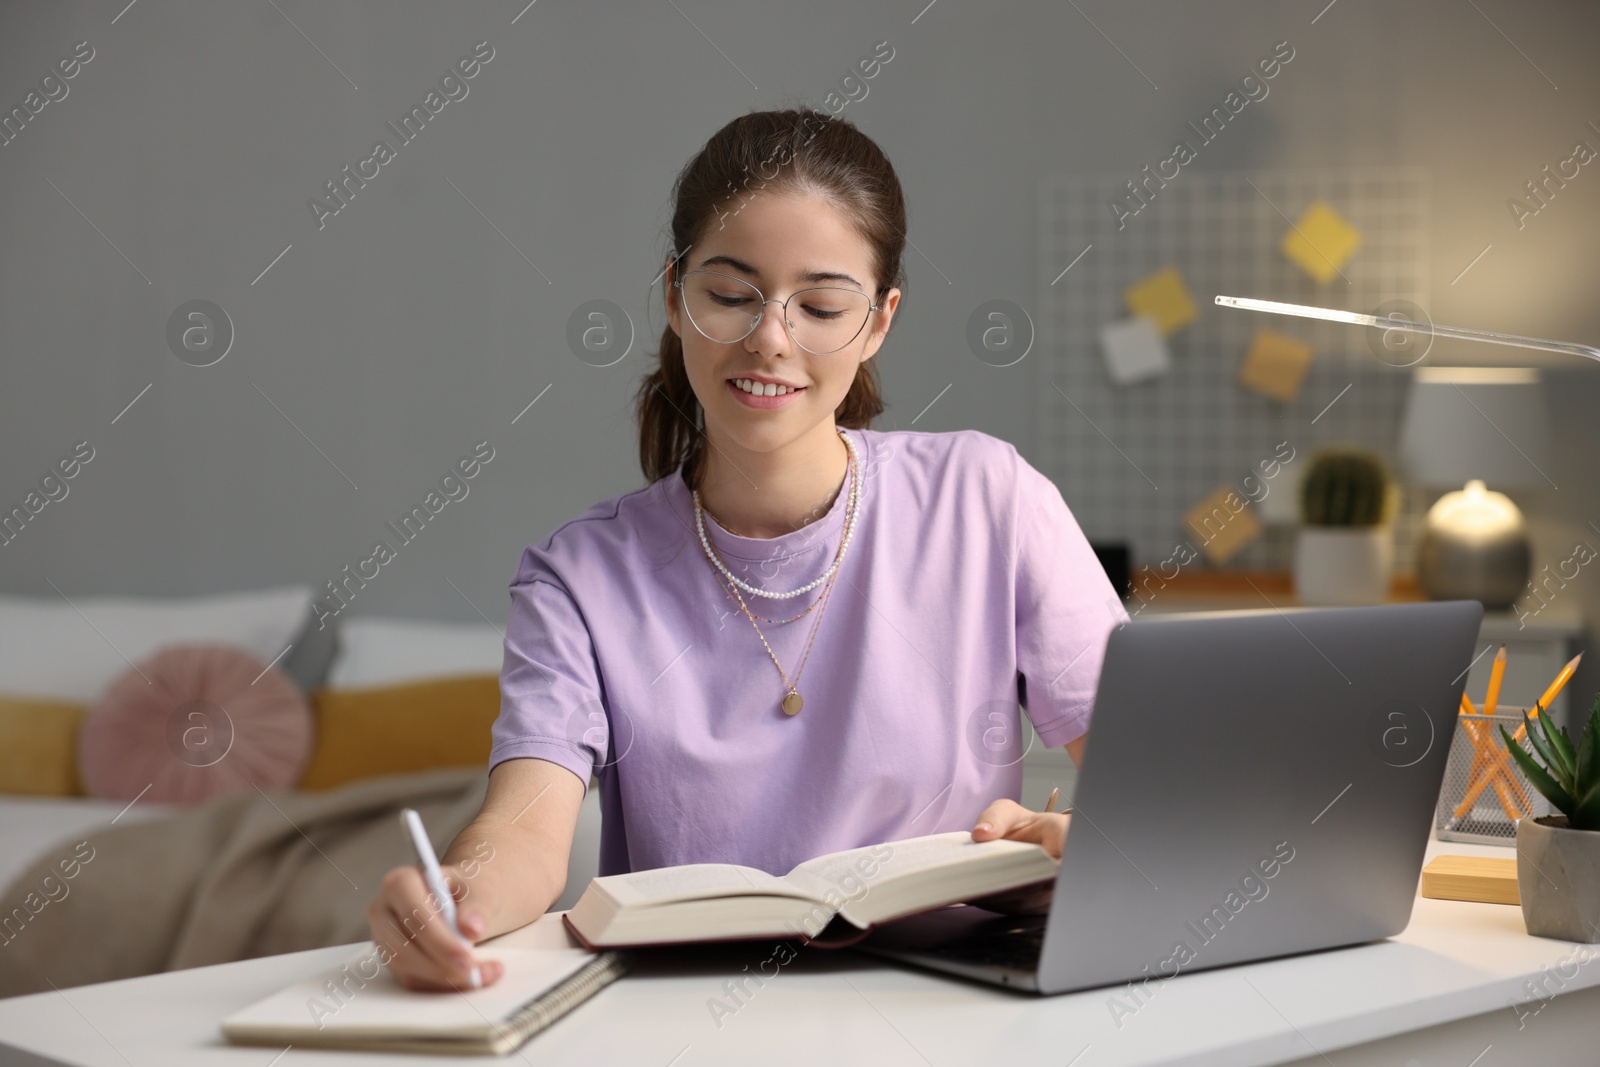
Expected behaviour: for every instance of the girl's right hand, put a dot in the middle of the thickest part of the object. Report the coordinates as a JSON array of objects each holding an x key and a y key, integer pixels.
[{"x": 416, "y": 942}]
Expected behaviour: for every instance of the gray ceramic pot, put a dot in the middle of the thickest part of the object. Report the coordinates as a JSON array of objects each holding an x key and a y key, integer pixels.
[{"x": 1558, "y": 877}]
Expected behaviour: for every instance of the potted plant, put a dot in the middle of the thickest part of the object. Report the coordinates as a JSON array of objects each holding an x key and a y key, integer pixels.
[
  {"x": 1344, "y": 549},
  {"x": 1558, "y": 856}
]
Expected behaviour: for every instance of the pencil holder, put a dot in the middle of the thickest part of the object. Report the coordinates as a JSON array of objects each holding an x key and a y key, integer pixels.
[{"x": 1484, "y": 792}]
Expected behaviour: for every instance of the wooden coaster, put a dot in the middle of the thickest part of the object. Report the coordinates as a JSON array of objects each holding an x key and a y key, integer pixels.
[{"x": 1476, "y": 878}]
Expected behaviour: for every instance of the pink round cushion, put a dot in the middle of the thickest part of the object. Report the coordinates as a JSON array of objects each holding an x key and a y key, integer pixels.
[{"x": 194, "y": 722}]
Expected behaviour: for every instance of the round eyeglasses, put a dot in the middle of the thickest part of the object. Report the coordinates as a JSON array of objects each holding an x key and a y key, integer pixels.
[{"x": 726, "y": 310}]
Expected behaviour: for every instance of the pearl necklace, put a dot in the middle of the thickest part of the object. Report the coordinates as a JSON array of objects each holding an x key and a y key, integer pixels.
[
  {"x": 732, "y": 594},
  {"x": 844, "y": 543}
]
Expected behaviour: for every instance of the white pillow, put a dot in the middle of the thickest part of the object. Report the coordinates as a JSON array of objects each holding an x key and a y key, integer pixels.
[
  {"x": 73, "y": 651},
  {"x": 378, "y": 652}
]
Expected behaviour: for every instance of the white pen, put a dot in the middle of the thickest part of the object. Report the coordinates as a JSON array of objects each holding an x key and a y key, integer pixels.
[{"x": 435, "y": 879}]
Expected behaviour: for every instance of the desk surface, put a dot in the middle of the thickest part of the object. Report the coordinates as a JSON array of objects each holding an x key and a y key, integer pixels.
[{"x": 1455, "y": 960}]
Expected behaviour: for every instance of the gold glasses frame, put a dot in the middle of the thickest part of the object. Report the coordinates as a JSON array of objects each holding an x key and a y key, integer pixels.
[{"x": 756, "y": 320}]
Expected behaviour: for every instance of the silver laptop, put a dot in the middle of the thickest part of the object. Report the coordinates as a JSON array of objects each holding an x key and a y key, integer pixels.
[{"x": 1255, "y": 784}]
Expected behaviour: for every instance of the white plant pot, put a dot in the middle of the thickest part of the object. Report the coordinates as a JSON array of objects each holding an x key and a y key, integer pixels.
[
  {"x": 1341, "y": 565},
  {"x": 1558, "y": 879}
]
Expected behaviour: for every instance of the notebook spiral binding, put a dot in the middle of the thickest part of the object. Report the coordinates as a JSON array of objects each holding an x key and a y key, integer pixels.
[{"x": 540, "y": 1013}]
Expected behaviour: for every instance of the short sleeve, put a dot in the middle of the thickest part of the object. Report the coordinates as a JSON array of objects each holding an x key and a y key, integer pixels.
[
  {"x": 1066, "y": 608},
  {"x": 551, "y": 704}
]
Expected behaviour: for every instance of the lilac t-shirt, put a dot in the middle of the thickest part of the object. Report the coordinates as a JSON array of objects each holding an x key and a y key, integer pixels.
[{"x": 968, "y": 588}]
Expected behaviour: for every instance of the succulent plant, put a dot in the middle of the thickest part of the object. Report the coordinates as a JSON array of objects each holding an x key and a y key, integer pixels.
[
  {"x": 1345, "y": 487},
  {"x": 1568, "y": 776}
]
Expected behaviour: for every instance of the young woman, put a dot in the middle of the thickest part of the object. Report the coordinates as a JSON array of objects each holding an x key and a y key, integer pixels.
[{"x": 803, "y": 634}]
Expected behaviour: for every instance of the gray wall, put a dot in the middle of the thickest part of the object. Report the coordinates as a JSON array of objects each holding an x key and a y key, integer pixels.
[{"x": 411, "y": 325}]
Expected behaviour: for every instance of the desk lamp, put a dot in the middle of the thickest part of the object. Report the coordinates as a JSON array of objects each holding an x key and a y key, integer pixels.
[{"x": 1480, "y": 426}]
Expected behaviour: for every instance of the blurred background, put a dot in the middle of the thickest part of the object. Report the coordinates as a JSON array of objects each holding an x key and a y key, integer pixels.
[{"x": 373, "y": 347}]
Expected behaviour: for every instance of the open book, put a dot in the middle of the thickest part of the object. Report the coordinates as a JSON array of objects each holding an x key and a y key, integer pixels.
[
  {"x": 360, "y": 1005},
  {"x": 862, "y": 886}
]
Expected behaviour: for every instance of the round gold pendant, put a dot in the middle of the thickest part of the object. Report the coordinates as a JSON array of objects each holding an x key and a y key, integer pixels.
[{"x": 791, "y": 703}]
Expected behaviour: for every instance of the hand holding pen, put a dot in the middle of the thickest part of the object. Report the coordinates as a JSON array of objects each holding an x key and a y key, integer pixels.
[
  {"x": 416, "y": 923},
  {"x": 434, "y": 877}
]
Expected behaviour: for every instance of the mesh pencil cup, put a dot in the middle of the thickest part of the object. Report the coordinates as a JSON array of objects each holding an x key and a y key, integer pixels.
[{"x": 1485, "y": 792}]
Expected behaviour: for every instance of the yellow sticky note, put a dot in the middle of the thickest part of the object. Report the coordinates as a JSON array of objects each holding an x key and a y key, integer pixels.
[
  {"x": 1321, "y": 242},
  {"x": 1163, "y": 297},
  {"x": 1275, "y": 364},
  {"x": 1222, "y": 524}
]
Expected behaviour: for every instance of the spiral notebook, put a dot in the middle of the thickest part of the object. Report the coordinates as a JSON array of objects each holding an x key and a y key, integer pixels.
[{"x": 360, "y": 1005}]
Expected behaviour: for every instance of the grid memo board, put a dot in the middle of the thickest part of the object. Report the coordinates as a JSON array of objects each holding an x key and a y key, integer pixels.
[{"x": 1131, "y": 460}]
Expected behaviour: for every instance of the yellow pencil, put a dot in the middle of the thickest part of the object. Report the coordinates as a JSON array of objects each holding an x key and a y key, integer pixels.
[
  {"x": 1507, "y": 805},
  {"x": 1561, "y": 680},
  {"x": 1497, "y": 673},
  {"x": 1480, "y": 734},
  {"x": 1483, "y": 743}
]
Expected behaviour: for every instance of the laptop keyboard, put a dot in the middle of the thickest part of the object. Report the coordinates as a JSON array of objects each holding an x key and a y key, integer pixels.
[{"x": 1013, "y": 941}]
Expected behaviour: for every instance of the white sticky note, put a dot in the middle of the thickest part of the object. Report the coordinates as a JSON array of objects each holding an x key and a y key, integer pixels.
[
  {"x": 1134, "y": 349},
  {"x": 1281, "y": 505}
]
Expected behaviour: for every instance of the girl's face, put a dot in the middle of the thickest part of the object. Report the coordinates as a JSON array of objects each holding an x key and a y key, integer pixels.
[{"x": 780, "y": 243}]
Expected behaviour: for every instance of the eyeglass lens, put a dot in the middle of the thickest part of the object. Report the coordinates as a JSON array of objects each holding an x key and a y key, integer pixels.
[{"x": 821, "y": 320}]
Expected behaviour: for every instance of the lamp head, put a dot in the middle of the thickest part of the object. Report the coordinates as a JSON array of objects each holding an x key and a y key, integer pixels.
[{"x": 1476, "y": 547}]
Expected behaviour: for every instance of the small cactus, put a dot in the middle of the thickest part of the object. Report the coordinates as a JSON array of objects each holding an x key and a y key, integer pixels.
[{"x": 1345, "y": 487}]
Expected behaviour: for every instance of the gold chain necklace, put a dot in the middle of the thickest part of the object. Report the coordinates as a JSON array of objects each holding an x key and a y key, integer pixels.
[
  {"x": 729, "y": 590},
  {"x": 792, "y": 701}
]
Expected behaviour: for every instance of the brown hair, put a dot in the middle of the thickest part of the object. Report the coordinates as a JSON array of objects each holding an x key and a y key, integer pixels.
[{"x": 788, "y": 151}]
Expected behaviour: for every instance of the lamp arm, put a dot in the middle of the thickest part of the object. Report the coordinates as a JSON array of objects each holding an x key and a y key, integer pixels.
[{"x": 1433, "y": 329}]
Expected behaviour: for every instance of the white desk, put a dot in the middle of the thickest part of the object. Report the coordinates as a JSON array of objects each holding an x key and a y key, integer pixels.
[{"x": 1444, "y": 986}]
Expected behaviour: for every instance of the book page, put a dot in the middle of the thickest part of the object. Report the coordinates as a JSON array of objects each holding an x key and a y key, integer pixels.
[
  {"x": 842, "y": 871},
  {"x": 869, "y": 884},
  {"x": 372, "y": 1002},
  {"x": 694, "y": 881}
]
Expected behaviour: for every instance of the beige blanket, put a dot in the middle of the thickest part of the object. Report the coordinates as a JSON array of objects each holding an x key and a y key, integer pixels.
[{"x": 245, "y": 875}]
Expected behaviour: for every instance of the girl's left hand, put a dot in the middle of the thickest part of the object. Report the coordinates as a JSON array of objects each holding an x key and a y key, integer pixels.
[{"x": 1009, "y": 820}]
